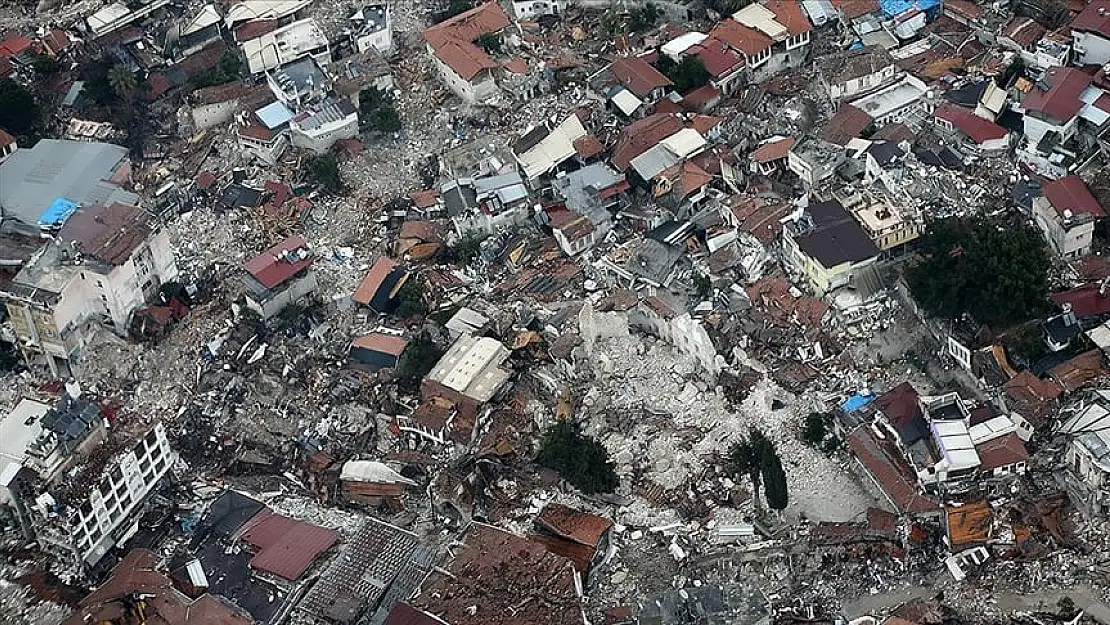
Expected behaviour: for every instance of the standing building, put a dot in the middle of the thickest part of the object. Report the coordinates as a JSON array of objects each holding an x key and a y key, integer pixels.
[
  {"x": 461, "y": 63},
  {"x": 105, "y": 263},
  {"x": 278, "y": 277}
]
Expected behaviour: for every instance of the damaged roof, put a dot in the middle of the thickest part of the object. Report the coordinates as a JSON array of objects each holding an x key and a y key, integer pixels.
[
  {"x": 281, "y": 262},
  {"x": 1070, "y": 193},
  {"x": 580, "y": 527},
  {"x": 883, "y": 463},
  {"x": 638, "y": 76},
  {"x": 107, "y": 233},
  {"x": 286, "y": 547},
  {"x": 165, "y": 605},
  {"x": 453, "y": 39},
  {"x": 498, "y": 578}
]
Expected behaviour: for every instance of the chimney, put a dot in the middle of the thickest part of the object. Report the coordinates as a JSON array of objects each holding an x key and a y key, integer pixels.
[{"x": 1069, "y": 315}]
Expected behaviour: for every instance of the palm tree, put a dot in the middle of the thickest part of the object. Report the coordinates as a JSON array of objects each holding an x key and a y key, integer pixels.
[{"x": 123, "y": 82}]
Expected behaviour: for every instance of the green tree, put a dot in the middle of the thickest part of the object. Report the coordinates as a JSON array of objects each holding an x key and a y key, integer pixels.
[
  {"x": 418, "y": 359},
  {"x": 324, "y": 170},
  {"x": 123, "y": 82},
  {"x": 369, "y": 99},
  {"x": 995, "y": 271},
  {"x": 703, "y": 285},
  {"x": 687, "y": 75},
  {"x": 490, "y": 42},
  {"x": 385, "y": 119},
  {"x": 454, "y": 8},
  {"x": 18, "y": 112},
  {"x": 411, "y": 298},
  {"x": 579, "y": 459},
  {"x": 46, "y": 65},
  {"x": 464, "y": 250},
  {"x": 815, "y": 429},
  {"x": 747, "y": 456},
  {"x": 774, "y": 481},
  {"x": 1067, "y": 609},
  {"x": 643, "y": 18}
]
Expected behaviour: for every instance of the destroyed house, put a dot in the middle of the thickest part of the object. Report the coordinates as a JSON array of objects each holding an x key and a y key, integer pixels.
[
  {"x": 472, "y": 369},
  {"x": 279, "y": 277},
  {"x": 573, "y": 534},
  {"x": 486, "y": 204},
  {"x": 853, "y": 73},
  {"x": 373, "y": 484},
  {"x": 514, "y": 580},
  {"x": 544, "y": 148},
  {"x": 104, "y": 263},
  {"x": 379, "y": 567},
  {"x": 379, "y": 288},
  {"x": 137, "y": 592},
  {"x": 975, "y": 131},
  {"x": 1087, "y": 455},
  {"x": 80, "y": 518},
  {"x": 830, "y": 248},
  {"x": 465, "y": 68},
  {"x": 286, "y": 44}
]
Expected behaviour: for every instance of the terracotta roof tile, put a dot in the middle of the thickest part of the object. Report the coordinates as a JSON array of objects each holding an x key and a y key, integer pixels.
[
  {"x": 638, "y": 76},
  {"x": 566, "y": 522},
  {"x": 1094, "y": 18},
  {"x": 789, "y": 14},
  {"x": 380, "y": 342},
  {"x": 641, "y": 135},
  {"x": 847, "y": 124},
  {"x": 286, "y": 547},
  {"x": 453, "y": 39},
  {"x": 281, "y": 262},
  {"x": 747, "y": 40},
  {"x": 971, "y": 125},
  {"x": 1071, "y": 193},
  {"x": 1061, "y": 101},
  {"x": 884, "y": 468},
  {"x": 1001, "y": 452},
  {"x": 773, "y": 150}
]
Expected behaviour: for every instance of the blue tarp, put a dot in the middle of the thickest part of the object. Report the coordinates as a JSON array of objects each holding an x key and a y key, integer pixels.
[
  {"x": 855, "y": 402},
  {"x": 892, "y": 8},
  {"x": 58, "y": 212},
  {"x": 856, "y": 46}
]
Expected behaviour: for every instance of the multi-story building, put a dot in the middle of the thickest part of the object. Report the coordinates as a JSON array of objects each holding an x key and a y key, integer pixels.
[
  {"x": 1066, "y": 213},
  {"x": 80, "y": 510},
  {"x": 828, "y": 247},
  {"x": 461, "y": 63},
  {"x": 1090, "y": 32},
  {"x": 105, "y": 263}
]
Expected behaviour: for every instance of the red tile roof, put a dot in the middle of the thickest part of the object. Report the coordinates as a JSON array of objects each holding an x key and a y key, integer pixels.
[
  {"x": 789, "y": 14},
  {"x": 380, "y": 342},
  {"x": 740, "y": 37},
  {"x": 964, "y": 9},
  {"x": 641, "y": 135},
  {"x": 373, "y": 280},
  {"x": 1002, "y": 451},
  {"x": 588, "y": 146},
  {"x": 846, "y": 125},
  {"x": 1071, "y": 194},
  {"x": 255, "y": 29},
  {"x": 287, "y": 547},
  {"x": 1085, "y": 301},
  {"x": 1024, "y": 31},
  {"x": 638, "y": 76},
  {"x": 856, "y": 8},
  {"x": 15, "y": 44},
  {"x": 971, "y": 125},
  {"x": 516, "y": 66},
  {"x": 1061, "y": 101},
  {"x": 6, "y": 67},
  {"x": 900, "y": 406},
  {"x": 884, "y": 467},
  {"x": 773, "y": 150},
  {"x": 1094, "y": 18},
  {"x": 686, "y": 178},
  {"x": 1079, "y": 371},
  {"x": 759, "y": 217},
  {"x": 281, "y": 262},
  {"x": 205, "y": 179},
  {"x": 6, "y": 139},
  {"x": 700, "y": 97},
  {"x": 718, "y": 58},
  {"x": 55, "y": 41},
  {"x": 424, "y": 199},
  {"x": 581, "y": 527},
  {"x": 453, "y": 39}
]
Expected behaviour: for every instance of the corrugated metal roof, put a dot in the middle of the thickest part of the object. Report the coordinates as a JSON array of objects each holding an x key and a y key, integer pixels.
[
  {"x": 287, "y": 547},
  {"x": 281, "y": 262}
]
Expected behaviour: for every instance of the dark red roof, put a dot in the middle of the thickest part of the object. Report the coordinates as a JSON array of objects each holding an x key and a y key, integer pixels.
[
  {"x": 883, "y": 465},
  {"x": 1085, "y": 301},
  {"x": 789, "y": 14},
  {"x": 281, "y": 262},
  {"x": 773, "y": 150},
  {"x": 1061, "y": 101},
  {"x": 404, "y": 614},
  {"x": 1002, "y": 451},
  {"x": 1070, "y": 193},
  {"x": 848, "y": 123},
  {"x": 6, "y": 68},
  {"x": 15, "y": 44},
  {"x": 718, "y": 58},
  {"x": 1094, "y": 18},
  {"x": 638, "y": 76},
  {"x": 380, "y": 342},
  {"x": 640, "y": 136},
  {"x": 747, "y": 40},
  {"x": 373, "y": 280},
  {"x": 6, "y": 139},
  {"x": 971, "y": 125},
  {"x": 254, "y": 29},
  {"x": 571, "y": 524},
  {"x": 287, "y": 547}
]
